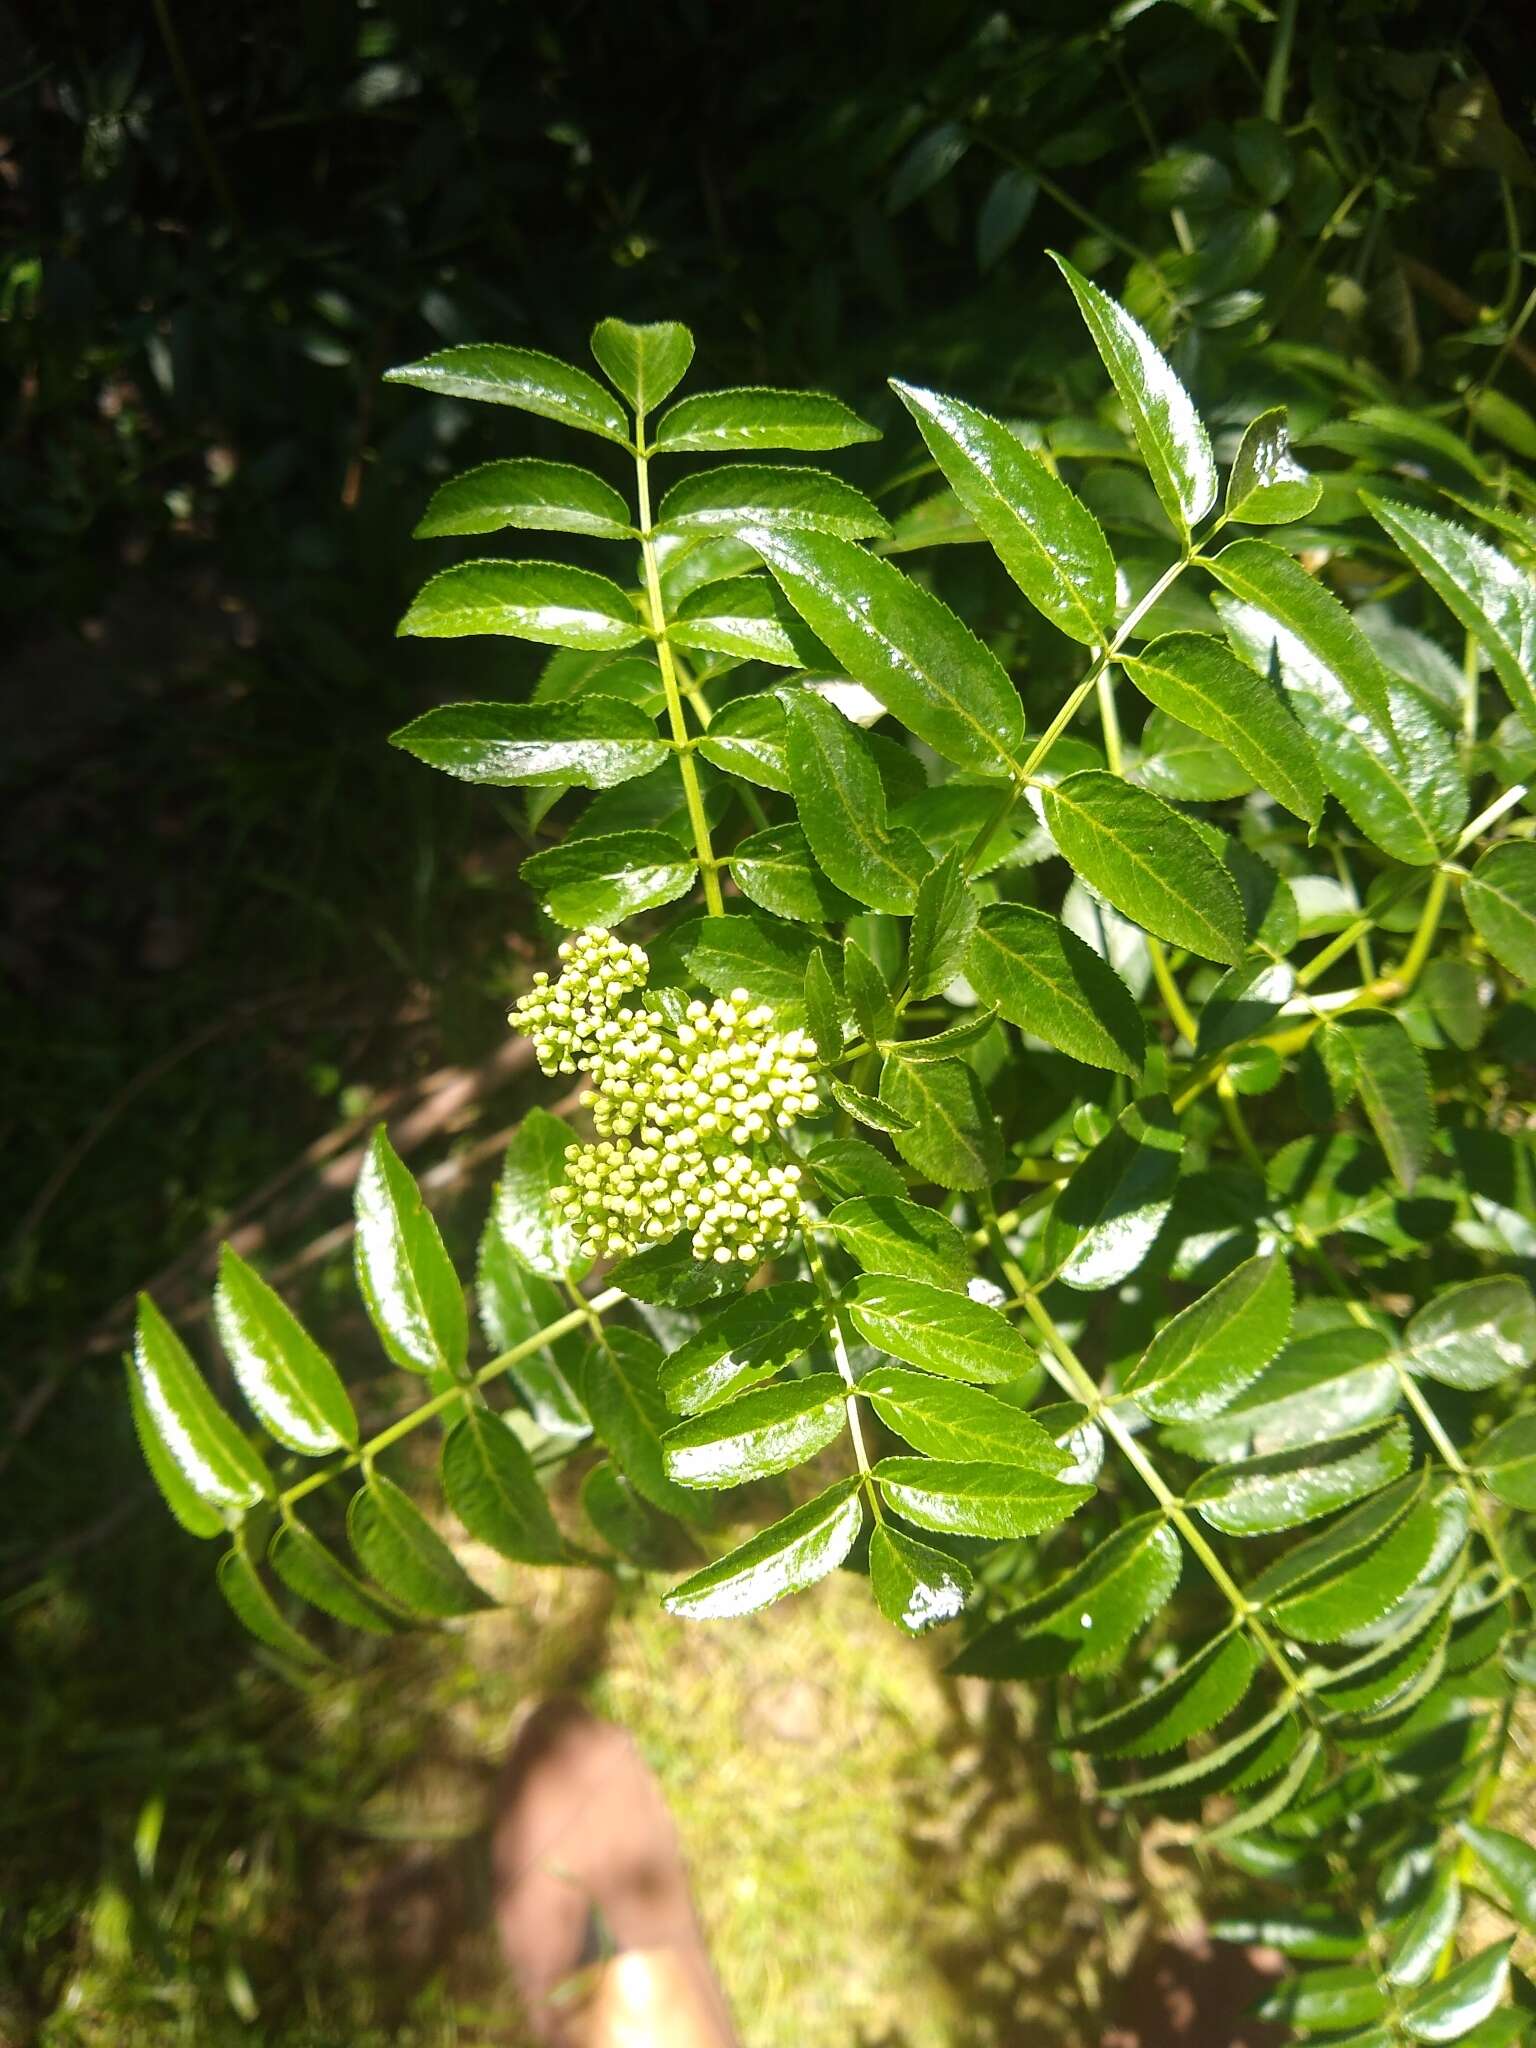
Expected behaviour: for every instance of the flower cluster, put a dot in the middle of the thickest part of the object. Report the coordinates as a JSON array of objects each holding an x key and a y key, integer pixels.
[{"x": 683, "y": 1110}]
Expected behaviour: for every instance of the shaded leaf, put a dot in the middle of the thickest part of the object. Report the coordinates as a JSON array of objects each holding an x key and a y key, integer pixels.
[
  {"x": 841, "y": 803},
  {"x": 1196, "y": 1696},
  {"x": 767, "y": 959},
  {"x": 1203, "y": 1358},
  {"x": 1268, "y": 486},
  {"x": 943, "y": 919},
  {"x": 307, "y": 1568},
  {"x": 490, "y": 1482},
  {"x": 1509, "y": 1863},
  {"x": 1475, "y": 1334},
  {"x": 1506, "y": 1461},
  {"x": 242, "y": 1587},
  {"x": 1105, "y": 1219},
  {"x": 747, "y": 618},
  {"x": 1500, "y": 896},
  {"x": 1256, "y": 1496},
  {"x": 620, "y": 1389},
  {"x": 1087, "y": 1617},
  {"x": 778, "y": 872},
  {"x": 397, "y": 1545},
  {"x": 1394, "y": 1088}
]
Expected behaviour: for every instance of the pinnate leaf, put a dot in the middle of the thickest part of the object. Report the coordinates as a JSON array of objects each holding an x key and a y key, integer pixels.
[
  {"x": 749, "y": 1340},
  {"x": 645, "y": 363},
  {"x": 887, "y": 1234},
  {"x": 841, "y": 802},
  {"x": 1268, "y": 486},
  {"x": 1043, "y": 978},
  {"x": 606, "y": 878},
  {"x": 1500, "y": 896},
  {"x": 398, "y": 1547},
  {"x": 1086, "y": 1618},
  {"x": 952, "y": 1137},
  {"x": 947, "y": 1419},
  {"x": 523, "y": 377},
  {"x": 1474, "y": 1334},
  {"x": 545, "y": 601},
  {"x": 1282, "y": 1489},
  {"x": 943, "y": 920},
  {"x": 936, "y": 1329},
  {"x": 755, "y": 417},
  {"x": 743, "y": 494},
  {"x": 490, "y": 1483},
  {"x": 593, "y": 741},
  {"x": 554, "y": 497},
  {"x": 975, "y": 1499},
  {"x": 1107, "y": 1216},
  {"x": 1204, "y": 1357},
  {"x": 771, "y": 1429}
]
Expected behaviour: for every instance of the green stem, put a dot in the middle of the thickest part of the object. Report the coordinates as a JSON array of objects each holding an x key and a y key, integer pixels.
[
  {"x": 562, "y": 1327},
  {"x": 1278, "y": 75},
  {"x": 1171, "y": 993},
  {"x": 1424, "y": 932},
  {"x": 845, "y": 1372},
  {"x": 693, "y": 794}
]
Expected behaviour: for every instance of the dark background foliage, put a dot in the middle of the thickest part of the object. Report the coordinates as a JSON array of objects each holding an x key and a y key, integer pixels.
[{"x": 233, "y": 919}]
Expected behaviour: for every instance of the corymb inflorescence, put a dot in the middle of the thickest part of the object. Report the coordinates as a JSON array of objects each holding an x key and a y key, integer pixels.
[{"x": 688, "y": 1114}]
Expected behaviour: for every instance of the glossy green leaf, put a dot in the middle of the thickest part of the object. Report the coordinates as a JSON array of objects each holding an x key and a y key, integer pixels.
[
  {"x": 490, "y": 1483},
  {"x": 1328, "y": 2000},
  {"x": 1506, "y": 1461},
  {"x": 943, "y": 919},
  {"x": 976, "y": 1500},
  {"x": 1216, "y": 1763},
  {"x": 823, "y": 1009},
  {"x": 747, "y": 737},
  {"x": 1258, "y": 573},
  {"x": 1482, "y": 588},
  {"x": 600, "y": 881},
  {"x": 1311, "y": 1932},
  {"x": 841, "y": 803},
  {"x": 1105, "y": 1219},
  {"x": 288, "y": 1380},
  {"x": 1475, "y": 1334},
  {"x": 777, "y": 871},
  {"x": 1150, "y": 863},
  {"x": 1045, "y": 537},
  {"x": 1184, "y": 766},
  {"x": 1394, "y": 1089},
  {"x": 1418, "y": 1946},
  {"x": 844, "y": 1167},
  {"x": 594, "y": 741},
  {"x": 545, "y": 601},
  {"x": 1193, "y": 1698},
  {"x": 902, "y": 644},
  {"x": 953, "y": 1137},
  {"x": 397, "y": 1546},
  {"x": 619, "y": 1384},
  {"x": 1087, "y": 1617},
  {"x": 747, "y": 618},
  {"x": 1244, "y": 1003},
  {"x": 869, "y": 995},
  {"x": 514, "y": 1306},
  {"x": 755, "y": 417},
  {"x": 1398, "y": 783},
  {"x": 771, "y": 1429},
  {"x": 1043, "y": 978},
  {"x": 1203, "y": 1358},
  {"x": 750, "y": 1340},
  {"x": 936, "y": 1329},
  {"x": 943, "y": 1045},
  {"x": 307, "y": 1568},
  {"x": 766, "y": 958},
  {"x": 241, "y": 1584},
  {"x": 1450, "y": 2008},
  {"x": 645, "y": 363},
  {"x": 406, "y": 1279},
  {"x": 1356, "y": 1572},
  {"x": 188, "y": 1506},
  {"x": 669, "y": 1276},
  {"x": 552, "y": 497},
  {"x": 1328, "y": 1384},
  {"x": 868, "y": 1110},
  {"x": 1198, "y": 680},
  {"x": 885, "y": 1234},
  {"x": 199, "y": 1438},
  {"x": 1500, "y": 898},
  {"x": 1268, "y": 486},
  {"x": 533, "y": 1166},
  {"x": 1170, "y": 433},
  {"x": 915, "y": 1586},
  {"x": 1257, "y": 1496},
  {"x": 947, "y": 1419},
  {"x": 522, "y": 377},
  {"x": 743, "y": 494},
  {"x": 785, "y": 1558},
  {"x": 1507, "y": 1867}
]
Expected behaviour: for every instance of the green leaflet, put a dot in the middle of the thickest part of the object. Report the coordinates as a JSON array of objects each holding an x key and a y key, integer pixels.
[
  {"x": 755, "y": 417},
  {"x": 1511, "y": 1865},
  {"x": 749, "y": 1340},
  {"x": 241, "y": 1584},
  {"x": 952, "y": 1138},
  {"x": 406, "y": 1279},
  {"x": 1418, "y": 1946},
  {"x": 947, "y": 1419},
  {"x": 1327, "y": 1384},
  {"x": 1234, "y": 1749},
  {"x": 288, "y": 1380},
  {"x": 1257, "y": 572},
  {"x": 748, "y": 738},
  {"x": 522, "y": 377},
  {"x": 619, "y": 1384},
  {"x": 766, "y": 958},
  {"x": 1259, "y": 1495},
  {"x": 307, "y": 1568},
  {"x": 976, "y": 1500},
  {"x": 595, "y": 741},
  {"x": 398, "y": 1547},
  {"x": 1196, "y": 1696},
  {"x": 526, "y": 1221},
  {"x": 1043, "y": 978},
  {"x": 645, "y": 363},
  {"x": 785, "y": 1558},
  {"x": 1268, "y": 486},
  {"x": 669, "y": 1276},
  {"x": 1343, "y": 1581},
  {"x": 943, "y": 920},
  {"x": 555, "y": 497},
  {"x": 600, "y": 881},
  {"x": 1184, "y": 766},
  {"x": 527, "y": 600},
  {"x": 1500, "y": 896},
  {"x": 198, "y": 1439},
  {"x": 936, "y": 1329},
  {"x": 1506, "y": 1461},
  {"x": 1245, "y": 1002},
  {"x": 743, "y": 494},
  {"x": 1394, "y": 1088},
  {"x": 1046, "y": 538},
  {"x": 490, "y": 1483},
  {"x": 1495, "y": 601},
  {"x": 745, "y": 617},
  {"x": 844, "y": 1167},
  {"x": 902, "y": 643},
  {"x": 915, "y": 1586},
  {"x": 778, "y": 872},
  {"x": 1330, "y": 2000},
  {"x": 823, "y": 1008},
  {"x": 842, "y": 809},
  {"x": 1150, "y": 863},
  {"x": 1084, "y": 1621},
  {"x": 869, "y": 996},
  {"x": 1473, "y": 1335},
  {"x": 1195, "y": 678},
  {"x": 1172, "y": 438},
  {"x": 1274, "y": 1802},
  {"x": 771, "y": 1429},
  {"x": 514, "y": 1305},
  {"x": 1449, "y": 2009},
  {"x": 1105, "y": 1219},
  {"x": 187, "y": 1505},
  {"x": 886, "y": 1234},
  {"x": 1200, "y": 1361}
]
